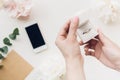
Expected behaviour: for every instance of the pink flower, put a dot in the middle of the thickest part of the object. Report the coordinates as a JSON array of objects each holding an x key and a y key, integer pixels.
[
  {"x": 9, "y": 4},
  {"x": 19, "y": 10}
]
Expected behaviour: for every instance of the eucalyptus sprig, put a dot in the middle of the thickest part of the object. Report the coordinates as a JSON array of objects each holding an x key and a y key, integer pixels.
[
  {"x": 6, "y": 41},
  {"x": 4, "y": 50},
  {"x": 1, "y": 56},
  {"x": 14, "y": 34}
]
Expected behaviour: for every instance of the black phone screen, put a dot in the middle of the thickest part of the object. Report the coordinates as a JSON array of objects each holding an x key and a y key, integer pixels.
[{"x": 35, "y": 35}]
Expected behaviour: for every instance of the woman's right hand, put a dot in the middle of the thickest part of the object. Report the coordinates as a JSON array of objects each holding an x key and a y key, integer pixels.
[{"x": 104, "y": 50}]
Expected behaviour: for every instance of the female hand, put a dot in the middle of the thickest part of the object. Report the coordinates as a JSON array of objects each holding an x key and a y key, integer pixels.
[
  {"x": 70, "y": 48},
  {"x": 104, "y": 50}
]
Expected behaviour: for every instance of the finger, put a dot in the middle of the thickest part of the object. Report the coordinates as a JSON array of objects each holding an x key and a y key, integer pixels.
[
  {"x": 86, "y": 51},
  {"x": 89, "y": 52},
  {"x": 102, "y": 37},
  {"x": 86, "y": 47},
  {"x": 92, "y": 52},
  {"x": 93, "y": 43},
  {"x": 73, "y": 27},
  {"x": 81, "y": 43},
  {"x": 97, "y": 37},
  {"x": 64, "y": 30}
]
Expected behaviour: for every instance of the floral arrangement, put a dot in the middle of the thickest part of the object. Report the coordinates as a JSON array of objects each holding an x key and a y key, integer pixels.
[
  {"x": 110, "y": 12},
  {"x": 19, "y": 10}
]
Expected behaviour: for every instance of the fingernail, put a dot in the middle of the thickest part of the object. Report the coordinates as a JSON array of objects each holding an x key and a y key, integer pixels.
[
  {"x": 75, "y": 19},
  {"x": 99, "y": 30}
]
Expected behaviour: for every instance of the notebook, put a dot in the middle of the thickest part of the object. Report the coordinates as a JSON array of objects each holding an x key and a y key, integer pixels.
[{"x": 15, "y": 67}]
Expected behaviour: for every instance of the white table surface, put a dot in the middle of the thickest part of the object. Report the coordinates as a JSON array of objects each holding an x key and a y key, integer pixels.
[{"x": 51, "y": 15}]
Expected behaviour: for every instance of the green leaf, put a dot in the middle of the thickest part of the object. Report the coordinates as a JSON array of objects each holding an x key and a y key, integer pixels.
[
  {"x": 1, "y": 49},
  {"x": 1, "y": 56},
  {"x": 12, "y": 36},
  {"x": 7, "y": 41},
  {"x": 4, "y": 49},
  {"x": 16, "y": 31}
]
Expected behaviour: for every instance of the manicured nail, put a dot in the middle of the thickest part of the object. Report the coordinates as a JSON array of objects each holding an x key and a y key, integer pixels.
[{"x": 75, "y": 19}]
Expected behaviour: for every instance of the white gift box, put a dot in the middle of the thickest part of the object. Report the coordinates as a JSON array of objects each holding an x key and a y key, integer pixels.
[{"x": 86, "y": 31}]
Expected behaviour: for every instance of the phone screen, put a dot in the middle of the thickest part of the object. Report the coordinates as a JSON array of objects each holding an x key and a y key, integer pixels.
[{"x": 35, "y": 35}]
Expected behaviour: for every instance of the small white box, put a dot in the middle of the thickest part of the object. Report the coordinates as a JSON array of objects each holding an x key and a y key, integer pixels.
[{"x": 86, "y": 31}]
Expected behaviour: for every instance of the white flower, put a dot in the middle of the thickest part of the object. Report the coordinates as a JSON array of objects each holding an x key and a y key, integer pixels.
[{"x": 110, "y": 12}]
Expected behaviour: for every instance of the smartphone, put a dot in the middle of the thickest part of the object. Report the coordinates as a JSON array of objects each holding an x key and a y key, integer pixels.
[{"x": 36, "y": 38}]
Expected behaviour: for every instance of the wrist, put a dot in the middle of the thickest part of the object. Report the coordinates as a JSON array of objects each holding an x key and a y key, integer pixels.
[
  {"x": 74, "y": 68},
  {"x": 71, "y": 59}
]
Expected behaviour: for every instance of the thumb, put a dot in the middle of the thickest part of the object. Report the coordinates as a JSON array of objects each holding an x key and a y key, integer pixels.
[
  {"x": 104, "y": 39},
  {"x": 73, "y": 27}
]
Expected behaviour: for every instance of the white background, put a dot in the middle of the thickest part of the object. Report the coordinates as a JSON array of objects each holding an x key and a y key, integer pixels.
[{"x": 51, "y": 15}]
